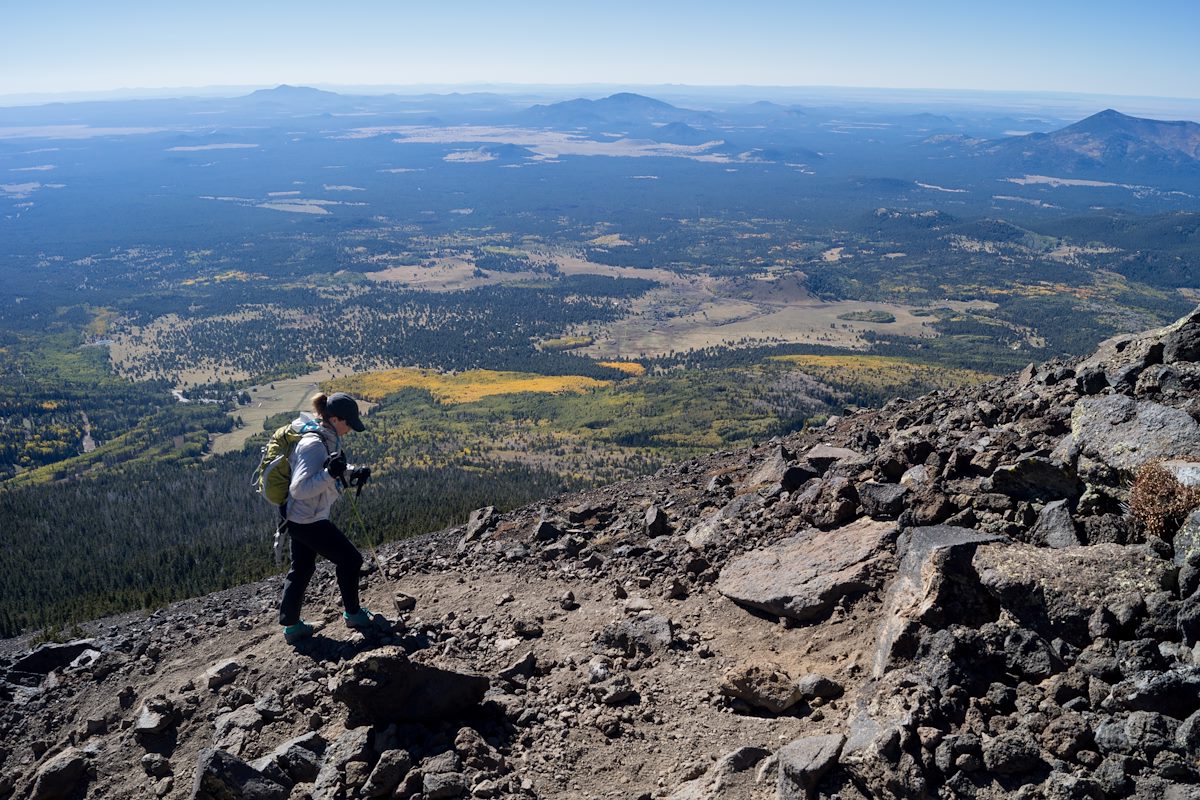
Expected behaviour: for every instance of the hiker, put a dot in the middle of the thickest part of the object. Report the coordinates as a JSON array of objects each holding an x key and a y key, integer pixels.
[{"x": 319, "y": 472}]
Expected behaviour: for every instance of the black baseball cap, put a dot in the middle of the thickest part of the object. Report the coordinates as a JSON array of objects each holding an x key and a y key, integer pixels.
[{"x": 342, "y": 406}]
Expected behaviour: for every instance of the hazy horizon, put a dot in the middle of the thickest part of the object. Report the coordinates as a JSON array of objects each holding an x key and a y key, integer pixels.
[
  {"x": 1061, "y": 103},
  {"x": 1105, "y": 48}
]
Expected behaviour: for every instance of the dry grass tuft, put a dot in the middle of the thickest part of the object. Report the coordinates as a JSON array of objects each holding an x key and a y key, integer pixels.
[{"x": 1159, "y": 502}]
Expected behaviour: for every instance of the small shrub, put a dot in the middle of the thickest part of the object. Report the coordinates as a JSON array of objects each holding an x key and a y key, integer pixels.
[{"x": 1159, "y": 502}]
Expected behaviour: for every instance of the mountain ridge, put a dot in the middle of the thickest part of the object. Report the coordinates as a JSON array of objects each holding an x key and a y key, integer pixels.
[{"x": 1108, "y": 143}]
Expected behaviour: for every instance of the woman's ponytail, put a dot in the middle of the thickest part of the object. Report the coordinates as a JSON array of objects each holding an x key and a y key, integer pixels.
[{"x": 318, "y": 403}]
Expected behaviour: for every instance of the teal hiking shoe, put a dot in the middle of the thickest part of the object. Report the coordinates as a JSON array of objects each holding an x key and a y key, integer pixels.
[
  {"x": 365, "y": 620},
  {"x": 298, "y": 632}
]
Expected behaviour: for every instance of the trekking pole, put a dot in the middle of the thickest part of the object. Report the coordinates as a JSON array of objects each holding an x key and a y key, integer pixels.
[{"x": 362, "y": 527}]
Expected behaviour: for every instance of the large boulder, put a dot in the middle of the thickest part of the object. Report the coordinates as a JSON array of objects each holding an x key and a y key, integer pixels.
[
  {"x": 779, "y": 469},
  {"x": 934, "y": 585},
  {"x": 52, "y": 656},
  {"x": 384, "y": 686},
  {"x": 1033, "y": 478},
  {"x": 803, "y": 577},
  {"x": 1182, "y": 341},
  {"x": 1054, "y": 592},
  {"x": 61, "y": 776},
  {"x": 762, "y": 685},
  {"x": 223, "y": 776},
  {"x": 1122, "y": 433},
  {"x": 804, "y": 762}
]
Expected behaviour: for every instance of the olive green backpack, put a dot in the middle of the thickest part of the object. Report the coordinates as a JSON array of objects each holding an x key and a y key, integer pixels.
[{"x": 274, "y": 473}]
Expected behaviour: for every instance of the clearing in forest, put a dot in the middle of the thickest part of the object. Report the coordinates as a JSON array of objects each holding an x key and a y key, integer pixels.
[{"x": 461, "y": 387}]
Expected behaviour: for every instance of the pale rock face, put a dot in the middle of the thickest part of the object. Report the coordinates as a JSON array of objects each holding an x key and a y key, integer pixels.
[{"x": 803, "y": 577}]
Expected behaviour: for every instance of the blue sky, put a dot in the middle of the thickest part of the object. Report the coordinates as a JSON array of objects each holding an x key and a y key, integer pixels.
[{"x": 1102, "y": 47}]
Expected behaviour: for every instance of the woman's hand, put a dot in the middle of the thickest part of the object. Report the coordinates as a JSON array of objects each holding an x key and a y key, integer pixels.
[{"x": 335, "y": 465}]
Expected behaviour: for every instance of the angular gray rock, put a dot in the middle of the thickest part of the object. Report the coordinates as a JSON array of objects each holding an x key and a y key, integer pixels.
[
  {"x": 1124, "y": 433},
  {"x": 710, "y": 531},
  {"x": 352, "y": 746},
  {"x": 442, "y": 785},
  {"x": 391, "y": 768},
  {"x": 481, "y": 520},
  {"x": 1186, "y": 543},
  {"x": 231, "y": 728},
  {"x": 823, "y": 456},
  {"x": 814, "y": 685},
  {"x": 158, "y": 714},
  {"x": 298, "y": 758},
  {"x": 1055, "y": 527},
  {"x": 1183, "y": 341},
  {"x": 1175, "y": 693},
  {"x": 779, "y": 469},
  {"x": 882, "y": 500},
  {"x": 1033, "y": 478},
  {"x": 644, "y": 634},
  {"x": 1012, "y": 752},
  {"x": 878, "y": 753},
  {"x": 384, "y": 686},
  {"x": 804, "y": 762},
  {"x": 803, "y": 577},
  {"x": 61, "y": 776},
  {"x": 49, "y": 657},
  {"x": 933, "y": 569},
  {"x": 222, "y": 673},
  {"x": 1187, "y": 735},
  {"x": 656, "y": 521},
  {"x": 222, "y": 776}
]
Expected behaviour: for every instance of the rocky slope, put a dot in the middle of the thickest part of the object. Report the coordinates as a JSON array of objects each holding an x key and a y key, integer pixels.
[{"x": 990, "y": 593}]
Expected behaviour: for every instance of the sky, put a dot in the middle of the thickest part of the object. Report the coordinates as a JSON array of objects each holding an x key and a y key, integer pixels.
[{"x": 1102, "y": 47}]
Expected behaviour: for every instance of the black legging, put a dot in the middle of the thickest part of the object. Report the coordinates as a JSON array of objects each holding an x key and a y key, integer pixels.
[{"x": 321, "y": 538}]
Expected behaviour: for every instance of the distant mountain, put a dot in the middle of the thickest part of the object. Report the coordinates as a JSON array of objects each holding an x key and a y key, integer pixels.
[
  {"x": 292, "y": 94},
  {"x": 624, "y": 109},
  {"x": 1108, "y": 145},
  {"x": 764, "y": 112},
  {"x": 682, "y": 133}
]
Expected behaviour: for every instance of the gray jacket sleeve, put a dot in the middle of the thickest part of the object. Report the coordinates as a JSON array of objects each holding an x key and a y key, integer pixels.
[{"x": 308, "y": 469}]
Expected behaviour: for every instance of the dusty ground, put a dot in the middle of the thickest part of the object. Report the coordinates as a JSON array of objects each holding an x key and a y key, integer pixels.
[{"x": 467, "y": 618}]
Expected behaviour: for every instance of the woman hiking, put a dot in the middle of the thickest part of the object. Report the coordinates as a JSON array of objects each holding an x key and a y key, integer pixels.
[{"x": 319, "y": 471}]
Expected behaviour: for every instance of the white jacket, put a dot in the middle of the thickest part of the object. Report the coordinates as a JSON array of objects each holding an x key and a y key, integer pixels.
[{"x": 313, "y": 490}]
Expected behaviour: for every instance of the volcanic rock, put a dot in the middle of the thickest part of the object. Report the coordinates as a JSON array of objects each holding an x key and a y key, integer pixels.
[
  {"x": 1122, "y": 433},
  {"x": 60, "y": 777},
  {"x": 804, "y": 762},
  {"x": 801, "y": 578},
  {"x": 763, "y": 685},
  {"x": 384, "y": 686},
  {"x": 221, "y": 775}
]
